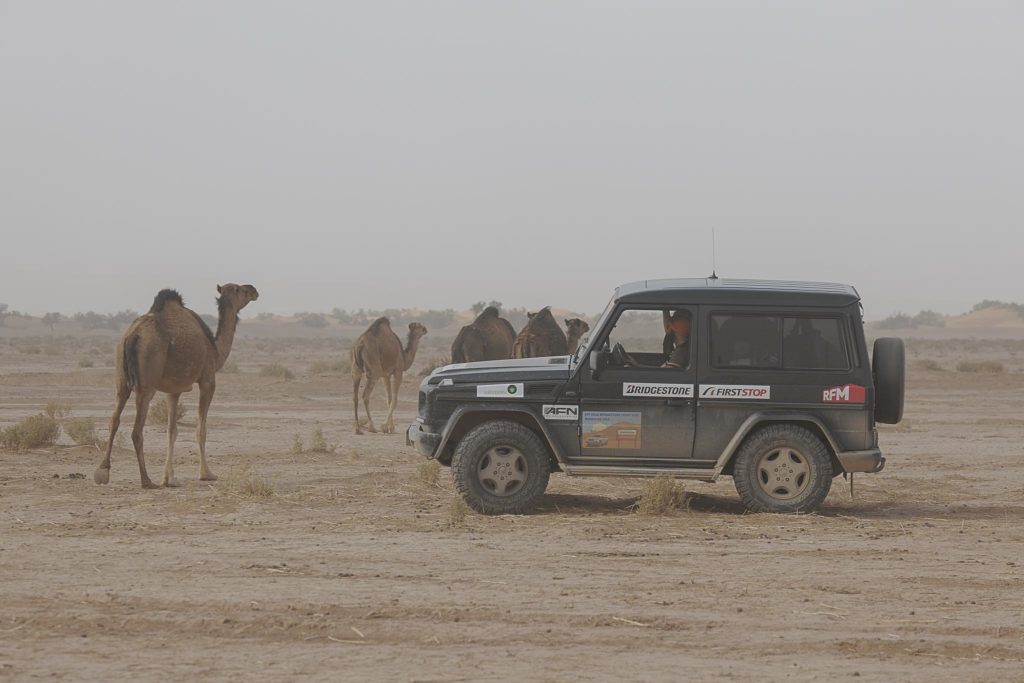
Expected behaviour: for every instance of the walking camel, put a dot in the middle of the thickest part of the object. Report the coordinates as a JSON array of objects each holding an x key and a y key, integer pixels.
[
  {"x": 378, "y": 354},
  {"x": 170, "y": 349},
  {"x": 540, "y": 337}
]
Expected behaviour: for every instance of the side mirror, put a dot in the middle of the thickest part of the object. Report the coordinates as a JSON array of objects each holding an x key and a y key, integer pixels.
[{"x": 598, "y": 362}]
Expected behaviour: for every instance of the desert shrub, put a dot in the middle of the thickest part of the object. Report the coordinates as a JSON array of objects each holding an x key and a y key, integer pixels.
[
  {"x": 929, "y": 364},
  {"x": 433, "y": 364},
  {"x": 660, "y": 496},
  {"x": 57, "y": 410},
  {"x": 296, "y": 444},
  {"x": 992, "y": 366},
  {"x": 85, "y": 362},
  {"x": 330, "y": 367},
  {"x": 314, "y": 320},
  {"x": 928, "y": 319},
  {"x": 230, "y": 368},
  {"x": 33, "y": 432},
  {"x": 457, "y": 512},
  {"x": 427, "y": 472},
  {"x": 245, "y": 482},
  {"x": 82, "y": 431},
  {"x": 317, "y": 442},
  {"x": 276, "y": 371},
  {"x": 989, "y": 303},
  {"x": 157, "y": 414},
  {"x": 896, "y": 322}
]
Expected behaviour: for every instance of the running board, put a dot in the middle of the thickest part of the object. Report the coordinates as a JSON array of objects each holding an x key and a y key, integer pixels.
[{"x": 613, "y": 471}]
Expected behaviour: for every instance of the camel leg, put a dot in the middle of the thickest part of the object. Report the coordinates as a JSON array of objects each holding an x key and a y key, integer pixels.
[
  {"x": 102, "y": 474},
  {"x": 142, "y": 399},
  {"x": 356, "y": 381},
  {"x": 392, "y": 383},
  {"x": 205, "y": 399},
  {"x": 371, "y": 382},
  {"x": 172, "y": 434}
]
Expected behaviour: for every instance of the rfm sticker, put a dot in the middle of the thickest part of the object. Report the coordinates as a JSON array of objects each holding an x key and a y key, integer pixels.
[{"x": 850, "y": 393}]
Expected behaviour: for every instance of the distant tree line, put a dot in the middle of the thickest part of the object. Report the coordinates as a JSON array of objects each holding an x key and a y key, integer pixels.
[{"x": 989, "y": 303}]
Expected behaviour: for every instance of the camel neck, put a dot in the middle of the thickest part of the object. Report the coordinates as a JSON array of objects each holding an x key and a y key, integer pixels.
[
  {"x": 409, "y": 352},
  {"x": 226, "y": 325}
]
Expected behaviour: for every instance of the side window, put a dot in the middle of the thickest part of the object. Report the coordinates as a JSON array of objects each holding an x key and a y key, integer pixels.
[
  {"x": 746, "y": 341},
  {"x": 814, "y": 344},
  {"x": 653, "y": 338}
]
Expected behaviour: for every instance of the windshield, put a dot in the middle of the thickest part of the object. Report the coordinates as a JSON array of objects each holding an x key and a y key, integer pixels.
[{"x": 585, "y": 341}]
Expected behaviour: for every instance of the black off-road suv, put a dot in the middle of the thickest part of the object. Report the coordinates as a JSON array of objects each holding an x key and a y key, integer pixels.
[{"x": 769, "y": 382}]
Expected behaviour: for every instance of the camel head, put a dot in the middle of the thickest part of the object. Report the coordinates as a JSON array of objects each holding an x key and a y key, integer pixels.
[
  {"x": 577, "y": 328},
  {"x": 235, "y": 296},
  {"x": 416, "y": 330}
]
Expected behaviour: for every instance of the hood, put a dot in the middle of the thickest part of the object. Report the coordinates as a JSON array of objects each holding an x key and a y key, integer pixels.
[{"x": 517, "y": 369}]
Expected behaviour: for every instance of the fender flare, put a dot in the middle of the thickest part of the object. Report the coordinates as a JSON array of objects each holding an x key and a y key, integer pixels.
[
  {"x": 499, "y": 410},
  {"x": 771, "y": 417}
]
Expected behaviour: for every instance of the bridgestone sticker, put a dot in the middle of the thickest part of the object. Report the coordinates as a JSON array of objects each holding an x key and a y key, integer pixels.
[
  {"x": 499, "y": 391},
  {"x": 560, "y": 412},
  {"x": 738, "y": 391},
  {"x": 658, "y": 390}
]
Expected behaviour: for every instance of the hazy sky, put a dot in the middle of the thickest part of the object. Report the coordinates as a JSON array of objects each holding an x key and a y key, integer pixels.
[{"x": 430, "y": 154}]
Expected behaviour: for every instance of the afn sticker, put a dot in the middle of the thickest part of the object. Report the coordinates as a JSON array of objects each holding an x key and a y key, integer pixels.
[
  {"x": 738, "y": 391},
  {"x": 851, "y": 393},
  {"x": 499, "y": 391},
  {"x": 560, "y": 412},
  {"x": 657, "y": 390}
]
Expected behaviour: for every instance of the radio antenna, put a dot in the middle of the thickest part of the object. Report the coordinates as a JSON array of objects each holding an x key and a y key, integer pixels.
[{"x": 714, "y": 257}]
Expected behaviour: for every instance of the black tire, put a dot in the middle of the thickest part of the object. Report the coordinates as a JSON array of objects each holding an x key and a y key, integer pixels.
[
  {"x": 888, "y": 366},
  {"x": 495, "y": 445},
  {"x": 782, "y": 468}
]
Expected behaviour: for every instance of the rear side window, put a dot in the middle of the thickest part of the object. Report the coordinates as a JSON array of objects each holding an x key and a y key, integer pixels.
[
  {"x": 814, "y": 344},
  {"x": 778, "y": 343}
]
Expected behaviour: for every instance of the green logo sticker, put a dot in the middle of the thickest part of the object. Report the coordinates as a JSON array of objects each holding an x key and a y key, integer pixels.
[{"x": 512, "y": 389}]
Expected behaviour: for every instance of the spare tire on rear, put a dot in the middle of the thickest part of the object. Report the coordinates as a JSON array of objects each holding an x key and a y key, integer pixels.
[{"x": 888, "y": 366}]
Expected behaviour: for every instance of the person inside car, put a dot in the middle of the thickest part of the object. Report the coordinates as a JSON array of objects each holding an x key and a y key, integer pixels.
[{"x": 677, "y": 326}]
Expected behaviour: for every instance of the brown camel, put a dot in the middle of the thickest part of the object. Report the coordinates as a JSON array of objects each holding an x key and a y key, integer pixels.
[
  {"x": 540, "y": 337},
  {"x": 170, "y": 349},
  {"x": 489, "y": 337},
  {"x": 577, "y": 328},
  {"x": 378, "y": 354}
]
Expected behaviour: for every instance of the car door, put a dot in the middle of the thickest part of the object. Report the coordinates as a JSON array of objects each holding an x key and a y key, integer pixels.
[{"x": 640, "y": 412}]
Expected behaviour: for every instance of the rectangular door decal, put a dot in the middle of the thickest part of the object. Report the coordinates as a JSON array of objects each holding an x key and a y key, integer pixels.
[
  {"x": 657, "y": 390},
  {"x": 612, "y": 429},
  {"x": 742, "y": 391}
]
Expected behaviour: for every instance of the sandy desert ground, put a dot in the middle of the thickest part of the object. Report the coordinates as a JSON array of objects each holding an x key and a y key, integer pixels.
[{"x": 358, "y": 569}]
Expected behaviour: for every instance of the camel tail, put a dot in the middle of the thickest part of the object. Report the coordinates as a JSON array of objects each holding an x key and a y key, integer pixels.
[{"x": 131, "y": 361}]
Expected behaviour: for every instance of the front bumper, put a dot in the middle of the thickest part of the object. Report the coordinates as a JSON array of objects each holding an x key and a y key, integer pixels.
[
  {"x": 425, "y": 442},
  {"x": 870, "y": 461}
]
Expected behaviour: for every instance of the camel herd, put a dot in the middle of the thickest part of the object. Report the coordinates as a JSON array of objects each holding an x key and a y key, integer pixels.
[{"x": 171, "y": 349}]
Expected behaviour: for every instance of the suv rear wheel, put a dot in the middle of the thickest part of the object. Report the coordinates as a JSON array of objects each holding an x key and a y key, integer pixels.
[
  {"x": 499, "y": 467},
  {"x": 783, "y": 468}
]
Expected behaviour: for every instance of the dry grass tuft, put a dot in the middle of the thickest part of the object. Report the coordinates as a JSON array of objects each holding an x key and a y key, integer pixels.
[
  {"x": 662, "y": 495},
  {"x": 297, "y": 444},
  {"x": 427, "y": 473},
  {"x": 992, "y": 366},
  {"x": 157, "y": 415},
  {"x": 82, "y": 431},
  {"x": 58, "y": 410},
  {"x": 245, "y": 482},
  {"x": 318, "y": 443},
  {"x": 277, "y": 371},
  {"x": 457, "y": 512},
  {"x": 33, "y": 432},
  {"x": 330, "y": 367},
  {"x": 230, "y": 368},
  {"x": 84, "y": 362},
  {"x": 928, "y": 364}
]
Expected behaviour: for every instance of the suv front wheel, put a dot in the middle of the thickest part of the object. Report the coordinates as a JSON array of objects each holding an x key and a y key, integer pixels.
[
  {"x": 783, "y": 468},
  {"x": 499, "y": 467}
]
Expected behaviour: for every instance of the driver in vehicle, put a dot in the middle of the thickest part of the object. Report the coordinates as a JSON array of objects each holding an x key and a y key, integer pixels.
[{"x": 677, "y": 325}]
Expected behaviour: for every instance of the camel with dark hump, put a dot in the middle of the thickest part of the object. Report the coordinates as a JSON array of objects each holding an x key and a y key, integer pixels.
[
  {"x": 576, "y": 329},
  {"x": 540, "y": 337},
  {"x": 170, "y": 349},
  {"x": 378, "y": 354},
  {"x": 489, "y": 337}
]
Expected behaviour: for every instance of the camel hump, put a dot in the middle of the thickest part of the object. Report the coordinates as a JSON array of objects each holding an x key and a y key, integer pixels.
[
  {"x": 488, "y": 313},
  {"x": 379, "y": 325},
  {"x": 164, "y": 296}
]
